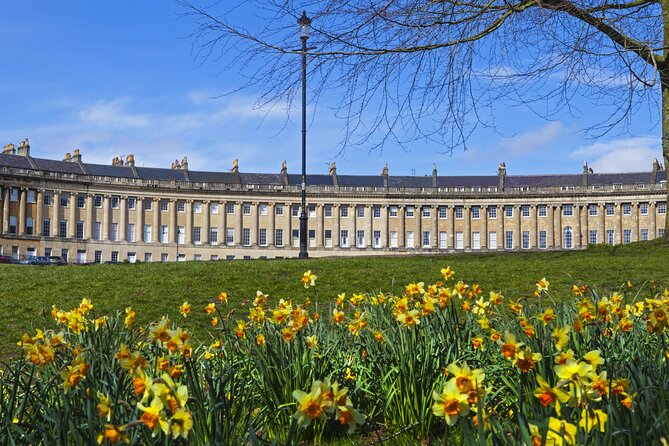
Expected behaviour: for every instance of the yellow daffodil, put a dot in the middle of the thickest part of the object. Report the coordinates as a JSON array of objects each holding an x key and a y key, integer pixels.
[
  {"x": 549, "y": 396},
  {"x": 542, "y": 285},
  {"x": 561, "y": 432},
  {"x": 447, "y": 272},
  {"x": 222, "y": 297},
  {"x": 115, "y": 434},
  {"x": 153, "y": 416},
  {"x": 350, "y": 417},
  {"x": 103, "y": 406},
  {"x": 309, "y": 279},
  {"x": 466, "y": 379},
  {"x": 593, "y": 418},
  {"x": 311, "y": 406},
  {"x": 129, "y": 317},
  {"x": 181, "y": 423},
  {"x": 560, "y": 337},
  {"x": 450, "y": 403}
]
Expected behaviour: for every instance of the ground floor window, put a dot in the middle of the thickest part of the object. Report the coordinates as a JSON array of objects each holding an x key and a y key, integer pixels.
[
  {"x": 509, "y": 240},
  {"x": 567, "y": 235}
]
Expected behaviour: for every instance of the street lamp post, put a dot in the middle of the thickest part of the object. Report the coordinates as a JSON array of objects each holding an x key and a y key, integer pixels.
[
  {"x": 304, "y": 23},
  {"x": 178, "y": 233}
]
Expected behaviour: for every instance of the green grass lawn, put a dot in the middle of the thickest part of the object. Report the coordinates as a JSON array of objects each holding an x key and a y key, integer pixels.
[{"x": 156, "y": 289}]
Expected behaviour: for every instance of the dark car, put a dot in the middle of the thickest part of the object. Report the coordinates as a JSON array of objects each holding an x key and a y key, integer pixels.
[
  {"x": 8, "y": 259},
  {"x": 55, "y": 260},
  {"x": 36, "y": 260}
]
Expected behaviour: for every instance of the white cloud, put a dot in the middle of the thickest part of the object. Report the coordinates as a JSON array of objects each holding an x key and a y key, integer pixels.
[
  {"x": 114, "y": 115},
  {"x": 534, "y": 140},
  {"x": 621, "y": 155}
]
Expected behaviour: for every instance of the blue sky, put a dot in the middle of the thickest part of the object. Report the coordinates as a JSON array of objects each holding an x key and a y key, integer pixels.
[{"x": 113, "y": 78}]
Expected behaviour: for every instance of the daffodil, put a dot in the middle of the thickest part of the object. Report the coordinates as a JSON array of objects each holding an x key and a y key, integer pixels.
[
  {"x": 447, "y": 272},
  {"x": 210, "y": 308},
  {"x": 103, "y": 406},
  {"x": 549, "y": 396},
  {"x": 561, "y": 432},
  {"x": 181, "y": 423},
  {"x": 450, "y": 403},
  {"x": 309, "y": 279},
  {"x": 560, "y": 337},
  {"x": 115, "y": 433},
  {"x": 350, "y": 417},
  {"x": 466, "y": 379},
  {"x": 542, "y": 285},
  {"x": 153, "y": 416},
  {"x": 184, "y": 309},
  {"x": 311, "y": 406}
]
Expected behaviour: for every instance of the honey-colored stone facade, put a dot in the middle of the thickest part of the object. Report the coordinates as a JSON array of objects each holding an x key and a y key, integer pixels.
[{"x": 87, "y": 218}]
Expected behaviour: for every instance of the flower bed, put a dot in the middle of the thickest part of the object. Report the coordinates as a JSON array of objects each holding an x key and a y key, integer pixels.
[{"x": 444, "y": 362}]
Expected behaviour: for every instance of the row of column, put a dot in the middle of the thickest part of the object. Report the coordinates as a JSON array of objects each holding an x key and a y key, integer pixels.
[{"x": 554, "y": 238}]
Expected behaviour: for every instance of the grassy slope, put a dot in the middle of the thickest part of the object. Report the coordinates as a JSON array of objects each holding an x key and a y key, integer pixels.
[{"x": 27, "y": 293}]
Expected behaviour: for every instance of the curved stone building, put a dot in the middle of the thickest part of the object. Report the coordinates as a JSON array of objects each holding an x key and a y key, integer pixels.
[{"x": 96, "y": 213}]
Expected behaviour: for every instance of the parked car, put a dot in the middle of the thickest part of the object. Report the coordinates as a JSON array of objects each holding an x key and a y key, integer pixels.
[
  {"x": 36, "y": 260},
  {"x": 55, "y": 260},
  {"x": 8, "y": 259}
]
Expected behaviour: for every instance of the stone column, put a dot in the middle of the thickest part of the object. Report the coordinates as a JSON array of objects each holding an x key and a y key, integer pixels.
[
  {"x": 271, "y": 213},
  {"x": 401, "y": 235},
  {"x": 188, "y": 228},
  {"x": 586, "y": 226},
  {"x": 123, "y": 218},
  {"x": 577, "y": 226},
  {"x": 652, "y": 230},
  {"x": 534, "y": 227},
  {"x": 385, "y": 226},
  {"x": 558, "y": 227},
  {"x": 501, "y": 237},
  {"x": 105, "y": 218},
  {"x": 39, "y": 211},
  {"x": 550, "y": 229},
  {"x": 5, "y": 209},
  {"x": 517, "y": 237},
  {"x": 466, "y": 210},
  {"x": 72, "y": 223},
  {"x": 483, "y": 213},
  {"x": 369, "y": 213},
  {"x": 223, "y": 209},
  {"x": 55, "y": 214},
  {"x": 22, "y": 211},
  {"x": 206, "y": 212},
  {"x": 418, "y": 238},
  {"x": 173, "y": 225},
  {"x": 354, "y": 221},
  {"x": 450, "y": 238},
  {"x": 336, "y": 215},
  {"x": 618, "y": 217},
  {"x": 155, "y": 231},
  {"x": 240, "y": 223},
  {"x": 289, "y": 236},
  {"x": 255, "y": 225},
  {"x": 434, "y": 215},
  {"x": 88, "y": 224},
  {"x": 139, "y": 220},
  {"x": 635, "y": 222},
  {"x": 602, "y": 213}
]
